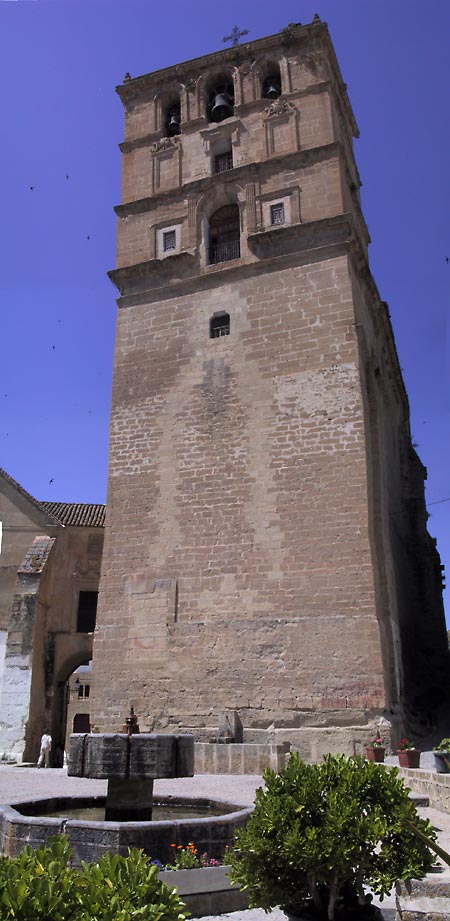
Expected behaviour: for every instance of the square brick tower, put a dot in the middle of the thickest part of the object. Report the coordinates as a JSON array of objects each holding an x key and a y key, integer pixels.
[{"x": 266, "y": 547}]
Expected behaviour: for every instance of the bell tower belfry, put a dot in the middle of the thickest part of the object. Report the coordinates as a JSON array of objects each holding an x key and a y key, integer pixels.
[{"x": 266, "y": 550}]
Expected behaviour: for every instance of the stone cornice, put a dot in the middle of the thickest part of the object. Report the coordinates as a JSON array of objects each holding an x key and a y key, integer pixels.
[
  {"x": 293, "y": 38},
  {"x": 302, "y": 158},
  {"x": 303, "y": 244},
  {"x": 308, "y": 242},
  {"x": 164, "y": 267},
  {"x": 289, "y": 38}
]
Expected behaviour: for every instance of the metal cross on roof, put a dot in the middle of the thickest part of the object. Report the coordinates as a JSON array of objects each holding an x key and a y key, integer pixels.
[{"x": 236, "y": 34}]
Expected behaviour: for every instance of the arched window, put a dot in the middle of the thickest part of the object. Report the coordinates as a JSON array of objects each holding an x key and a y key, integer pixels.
[
  {"x": 220, "y": 98},
  {"x": 271, "y": 85},
  {"x": 224, "y": 235},
  {"x": 172, "y": 119}
]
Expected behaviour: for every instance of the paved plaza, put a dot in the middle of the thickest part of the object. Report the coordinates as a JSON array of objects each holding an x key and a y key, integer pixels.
[{"x": 18, "y": 783}]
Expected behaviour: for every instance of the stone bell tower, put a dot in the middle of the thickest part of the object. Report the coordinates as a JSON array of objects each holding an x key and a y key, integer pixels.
[{"x": 266, "y": 547}]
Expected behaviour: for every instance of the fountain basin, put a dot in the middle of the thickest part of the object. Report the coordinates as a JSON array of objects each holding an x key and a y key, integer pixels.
[{"x": 28, "y": 823}]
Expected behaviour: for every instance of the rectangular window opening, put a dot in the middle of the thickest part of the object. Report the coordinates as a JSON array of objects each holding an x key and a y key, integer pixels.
[
  {"x": 219, "y": 326},
  {"x": 277, "y": 213},
  {"x": 169, "y": 240},
  {"x": 87, "y": 612},
  {"x": 223, "y": 162}
]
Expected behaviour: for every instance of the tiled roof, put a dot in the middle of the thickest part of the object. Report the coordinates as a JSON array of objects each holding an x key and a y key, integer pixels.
[{"x": 77, "y": 514}]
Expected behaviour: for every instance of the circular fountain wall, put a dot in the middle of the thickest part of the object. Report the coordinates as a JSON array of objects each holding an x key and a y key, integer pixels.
[
  {"x": 29, "y": 823},
  {"x": 130, "y": 762}
]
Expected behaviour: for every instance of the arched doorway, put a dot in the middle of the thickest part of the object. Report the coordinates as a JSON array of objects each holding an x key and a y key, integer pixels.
[
  {"x": 71, "y": 697},
  {"x": 81, "y": 722}
]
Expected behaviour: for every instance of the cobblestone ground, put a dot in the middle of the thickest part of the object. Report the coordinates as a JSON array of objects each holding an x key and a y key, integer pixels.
[{"x": 19, "y": 783}]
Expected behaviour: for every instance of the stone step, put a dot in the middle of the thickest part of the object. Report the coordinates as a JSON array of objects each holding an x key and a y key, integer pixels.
[
  {"x": 419, "y": 799},
  {"x": 425, "y": 899}
]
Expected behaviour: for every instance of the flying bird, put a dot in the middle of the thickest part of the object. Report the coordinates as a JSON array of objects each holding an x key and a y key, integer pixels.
[
  {"x": 51, "y": 481},
  {"x": 32, "y": 188},
  {"x": 53, "y": 347},
  {"x": 67, "y": 175}
]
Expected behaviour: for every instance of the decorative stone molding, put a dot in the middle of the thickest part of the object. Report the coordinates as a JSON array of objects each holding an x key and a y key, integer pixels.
[
  {"x": 164, "y": 144},
  {"x": 279, "y": 107}
]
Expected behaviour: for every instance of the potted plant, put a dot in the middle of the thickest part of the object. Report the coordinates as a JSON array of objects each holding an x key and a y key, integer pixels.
[
  {"x": 408, "y": 754},
  {"x": 320, "y": 833},
  {"x": 375, "y": 750},
  {"x": 442, "y": 756},
  {"x": 201, "y": 879}
]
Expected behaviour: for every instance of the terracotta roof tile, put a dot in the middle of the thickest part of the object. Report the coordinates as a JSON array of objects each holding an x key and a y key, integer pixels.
[{"x": 77, "y": 514}]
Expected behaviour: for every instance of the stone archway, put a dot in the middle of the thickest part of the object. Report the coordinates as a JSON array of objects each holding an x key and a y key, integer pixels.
[{"x": 74, "y": 659}]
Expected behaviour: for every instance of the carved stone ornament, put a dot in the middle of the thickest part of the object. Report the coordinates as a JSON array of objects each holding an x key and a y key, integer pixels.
[
  {"x": 190, "y": 83},
  {"x": 85, "y": 571},
  {"x": 279, "y": 107},
  {"x": 164, "y": 144}
]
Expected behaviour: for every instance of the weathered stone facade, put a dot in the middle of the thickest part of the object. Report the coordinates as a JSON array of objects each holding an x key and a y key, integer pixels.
[
  {"x": 49, "y": 554},
  {"x": 266, "y": 547}
]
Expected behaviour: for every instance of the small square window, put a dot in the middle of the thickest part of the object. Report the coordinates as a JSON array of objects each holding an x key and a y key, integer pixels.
[
  {"x": 277, "y": 213},
  {"x": 169, "y": 240}
]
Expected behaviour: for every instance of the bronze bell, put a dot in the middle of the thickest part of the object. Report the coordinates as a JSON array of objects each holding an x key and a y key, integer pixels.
[
  {"x": 174, "y": 124},
  {"x": 222, "y": 107},
  {"x": 272, "y": 92}
]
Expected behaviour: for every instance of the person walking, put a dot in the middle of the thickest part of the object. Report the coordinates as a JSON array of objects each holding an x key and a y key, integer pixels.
[{"x": 46, "y": 747}]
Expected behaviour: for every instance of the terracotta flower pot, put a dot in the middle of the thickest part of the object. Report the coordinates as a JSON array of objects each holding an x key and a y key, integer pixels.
[
  {"x": 375, "y": 753},
  {"x": 409, "y": 758}
]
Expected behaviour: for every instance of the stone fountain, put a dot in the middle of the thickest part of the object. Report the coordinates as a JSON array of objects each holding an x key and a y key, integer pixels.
[{"x": 130, "y": 761}]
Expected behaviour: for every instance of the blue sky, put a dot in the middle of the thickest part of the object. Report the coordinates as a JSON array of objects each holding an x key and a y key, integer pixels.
[{"x": 60, "y": 62}]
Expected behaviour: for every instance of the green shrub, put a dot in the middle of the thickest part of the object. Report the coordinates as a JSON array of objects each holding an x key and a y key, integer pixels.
[
  {"x": 128, "y": 888},
  {"x": 40, "y": 885},
  {"x": 444, "y": 745},
  {"x": 320, "y": 832}
]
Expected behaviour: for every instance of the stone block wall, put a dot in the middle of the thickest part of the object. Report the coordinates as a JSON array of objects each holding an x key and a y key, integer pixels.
[
  {"x": 243, "y": 758},
  {"x": 429, "y": 783},
  {"x": 223, "y": 451},
  {"x": 252, "y": 561}
]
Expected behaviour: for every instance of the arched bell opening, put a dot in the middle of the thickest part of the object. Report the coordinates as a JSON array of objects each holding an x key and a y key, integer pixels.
[
  {"x": 271, "y": 83},
  {"x": 220, "y": 98},
  {"x": 172, "y": 118},
  {"x": 224, "y": 234}
]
